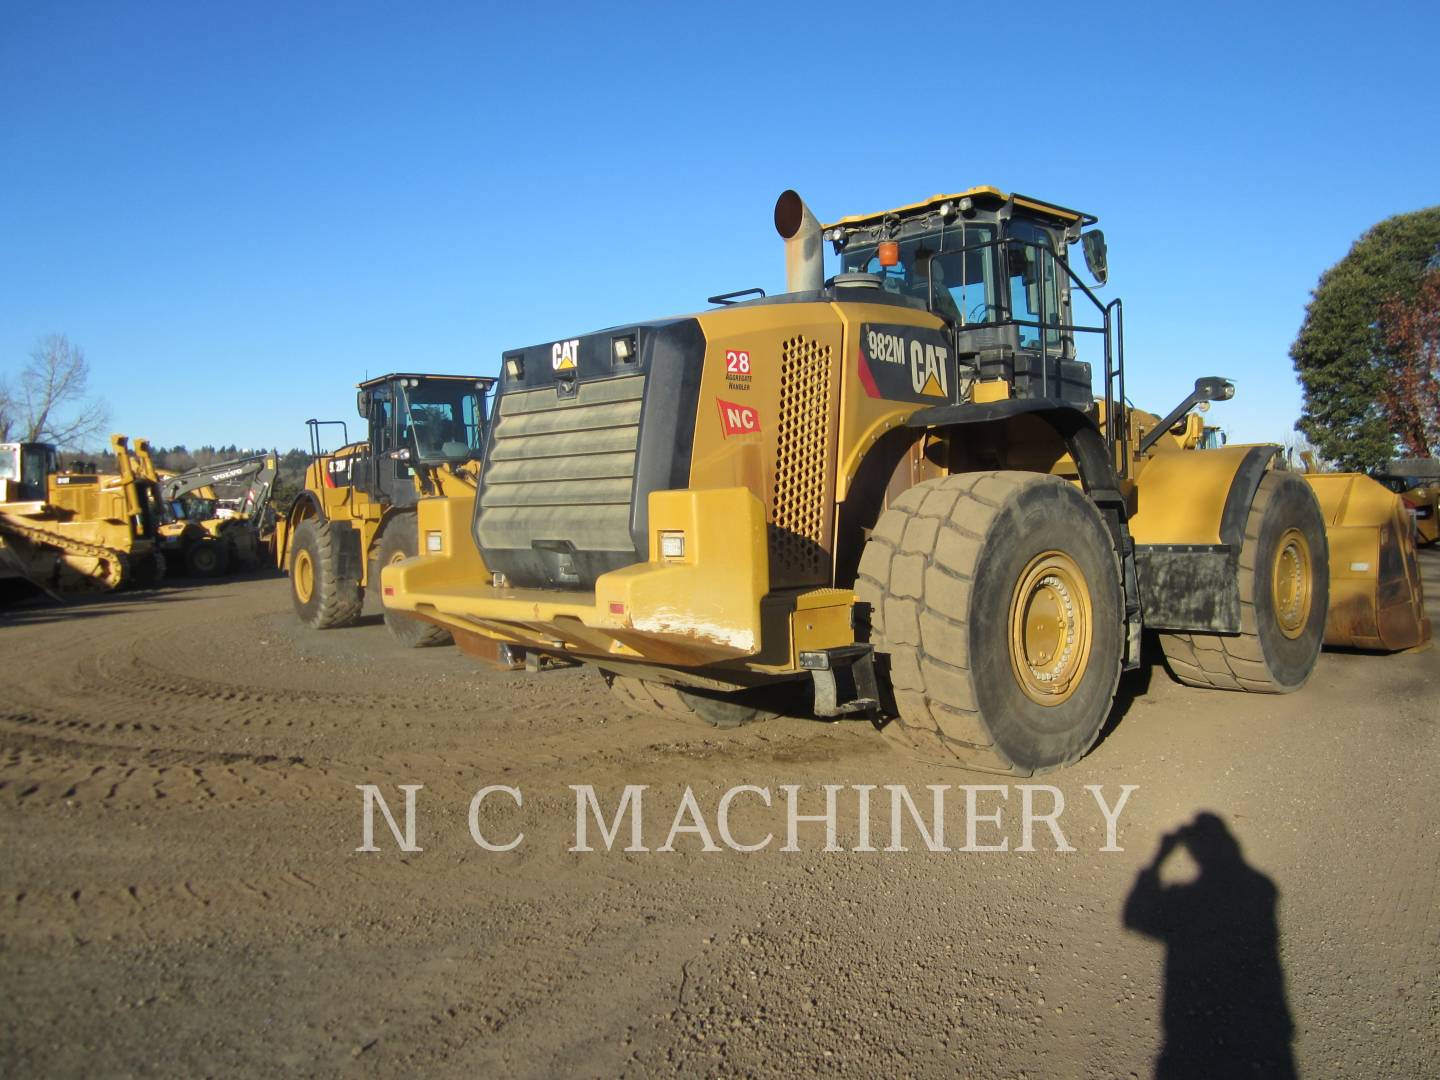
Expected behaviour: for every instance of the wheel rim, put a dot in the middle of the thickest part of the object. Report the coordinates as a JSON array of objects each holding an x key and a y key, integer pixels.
[
  {"x": 205, "y": 560},
  {"x": 303, "y": 574},
  {"x": 1050, "y": 628},
  {"x": 1290, "y": 583}
]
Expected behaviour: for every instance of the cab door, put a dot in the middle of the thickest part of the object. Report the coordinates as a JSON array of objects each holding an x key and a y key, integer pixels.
[{"x": 391, "y": 478}]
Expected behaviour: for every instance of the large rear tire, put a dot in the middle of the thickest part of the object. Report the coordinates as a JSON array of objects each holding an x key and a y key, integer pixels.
[
  {"x": 323, "y": 599},
  {"x": 1284, "y": 598},
  {"x": 996, "y": 599},
  {"x": 401, "y": 541},
  {"x": 714, "y": 709}
]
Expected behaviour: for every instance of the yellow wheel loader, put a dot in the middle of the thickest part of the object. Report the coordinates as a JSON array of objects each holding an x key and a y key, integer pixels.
[
  {"x": 425, "y": 434},
  {"x": 68, "y": 531},
  {"x": 1417, "y": 482},
  {"x": 899, "y": 485}
]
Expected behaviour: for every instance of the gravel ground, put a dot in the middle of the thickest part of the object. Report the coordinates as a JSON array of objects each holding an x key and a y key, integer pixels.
[{"x": 178, "y": 792}]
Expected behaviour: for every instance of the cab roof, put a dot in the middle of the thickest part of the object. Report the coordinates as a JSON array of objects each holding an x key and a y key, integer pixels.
[
  {"x": 487, "y": 379},
  {"x": 1061, "y": 214}
]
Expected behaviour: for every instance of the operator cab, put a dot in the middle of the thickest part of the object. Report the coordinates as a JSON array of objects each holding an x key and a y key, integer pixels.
[
  {"x": 994, "y": 268},
  {"x": 25, "y": 469},
  {"x": 419, "y": 422}
]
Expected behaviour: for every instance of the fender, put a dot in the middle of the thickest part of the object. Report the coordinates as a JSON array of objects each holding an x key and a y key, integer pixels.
[
  {"x": 1189, "y": 526},
  {"x": 304, "y": 506},
  {"x": 1083, "y": 439}
]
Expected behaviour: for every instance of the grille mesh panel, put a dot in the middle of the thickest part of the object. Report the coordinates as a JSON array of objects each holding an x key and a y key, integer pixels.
[{"x": 799, "y": 531}]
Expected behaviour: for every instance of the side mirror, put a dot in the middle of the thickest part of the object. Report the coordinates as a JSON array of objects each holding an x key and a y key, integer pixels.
[
  {"x": 362, "y": 403},
  {"x": 1214, "y": 388},
  {"x": 1209, "y": 388},
  {"x": 1096, "y": 260}
]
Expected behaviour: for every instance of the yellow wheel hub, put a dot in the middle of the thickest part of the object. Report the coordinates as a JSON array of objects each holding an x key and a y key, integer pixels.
[
  {"x": 1050, "y": 628},
  {"x": 1290, "y": 583},
  {"x": 303, "y": 576}
]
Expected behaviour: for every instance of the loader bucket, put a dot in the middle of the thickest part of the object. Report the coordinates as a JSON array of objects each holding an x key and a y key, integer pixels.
[{"x": 1375, "y": 595}]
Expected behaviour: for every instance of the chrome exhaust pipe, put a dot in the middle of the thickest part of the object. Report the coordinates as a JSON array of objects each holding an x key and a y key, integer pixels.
[{"x": 804, "y": 256}]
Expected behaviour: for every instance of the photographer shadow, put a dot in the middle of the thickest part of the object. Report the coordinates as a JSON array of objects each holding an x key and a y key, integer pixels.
[{"x": 1225, "y": 1010}]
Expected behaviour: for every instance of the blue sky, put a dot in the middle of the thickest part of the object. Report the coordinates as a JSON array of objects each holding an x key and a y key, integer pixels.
[{"x": 239, "y": 211}]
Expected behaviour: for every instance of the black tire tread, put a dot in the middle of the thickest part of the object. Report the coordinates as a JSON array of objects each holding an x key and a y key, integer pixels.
[
  {"x": 661, "y": 699},
  {"x": 403, "y": 529},
  {"x": 1232, "y": 661},
  {"x": 943, "y": 524},
  {"x": 339, "y": 604}
]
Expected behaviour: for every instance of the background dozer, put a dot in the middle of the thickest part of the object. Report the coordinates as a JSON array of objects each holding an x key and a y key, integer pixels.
[
  {"x": 425, "y": 434},
  {"x": 64, "y": 531},
  {"x": 902, "y": 484},
  {"x": 194, "y": 533}
]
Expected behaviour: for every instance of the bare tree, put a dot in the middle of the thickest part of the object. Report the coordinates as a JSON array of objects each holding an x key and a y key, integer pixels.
[
  {"x": 8, "y": 409},
  {"x": 51, "y": 404}
]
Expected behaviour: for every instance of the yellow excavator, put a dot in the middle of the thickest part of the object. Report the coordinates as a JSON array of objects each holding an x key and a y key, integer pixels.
[
  {"x": 424, "y": 437},
  {"x": 900, "y": 484},
  {"x": 67, "y": 531}
]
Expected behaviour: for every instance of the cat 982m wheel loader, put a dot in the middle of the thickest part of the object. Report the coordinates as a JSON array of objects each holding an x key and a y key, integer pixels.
[
  {"x": 897, "y": 484},
  {"x": 425, "y": 434}
]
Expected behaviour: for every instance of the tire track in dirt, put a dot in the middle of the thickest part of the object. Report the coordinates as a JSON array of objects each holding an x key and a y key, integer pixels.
[{"x": 42, "y": 770}]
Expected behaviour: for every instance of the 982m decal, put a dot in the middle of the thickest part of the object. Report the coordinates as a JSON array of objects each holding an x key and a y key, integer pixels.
[{"x": 905, "y": 363}]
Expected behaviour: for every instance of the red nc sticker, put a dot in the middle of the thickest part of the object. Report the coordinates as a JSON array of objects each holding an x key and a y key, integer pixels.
[{"x": 738, "y": 419}]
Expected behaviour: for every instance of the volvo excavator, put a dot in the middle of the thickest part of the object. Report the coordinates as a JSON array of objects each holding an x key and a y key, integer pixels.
[
  {"x": 71, "y": 531},
  {"x": 194, "y": 534},
  {"x": 424, "y": 437},
  {"x": 900, "y": 484}
]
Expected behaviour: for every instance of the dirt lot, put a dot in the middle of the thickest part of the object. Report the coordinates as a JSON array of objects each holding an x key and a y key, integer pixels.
[{"x": 180, "y": 813}]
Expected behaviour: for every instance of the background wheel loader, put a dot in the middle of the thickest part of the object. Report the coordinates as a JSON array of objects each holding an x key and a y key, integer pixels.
[
  {"x": 1417, "y": 481},
  {"x": 901, "y": 485},
  {"x": 68, "y": 531},
  {"x": 425, "y": 434}
]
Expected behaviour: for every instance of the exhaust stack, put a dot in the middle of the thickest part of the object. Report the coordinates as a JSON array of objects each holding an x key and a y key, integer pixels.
[{"x": 804, "y": 258}]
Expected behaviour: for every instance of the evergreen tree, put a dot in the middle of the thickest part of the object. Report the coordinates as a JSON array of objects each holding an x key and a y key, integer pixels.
[{"x": 1341, "y": 354}]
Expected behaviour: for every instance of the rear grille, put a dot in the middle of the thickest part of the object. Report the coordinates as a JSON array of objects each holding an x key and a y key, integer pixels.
[
  {"x": 563, "y": 469},
  {"x": 800, "y": 530}
]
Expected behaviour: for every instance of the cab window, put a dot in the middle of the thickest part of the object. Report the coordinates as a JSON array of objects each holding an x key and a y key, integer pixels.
[
  {"x": 960, "y": 261},
  {"x": 1032, "y": 287}
]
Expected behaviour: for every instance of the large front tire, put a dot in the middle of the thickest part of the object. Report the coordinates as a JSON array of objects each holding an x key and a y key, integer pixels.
[
  {"x": 1284, "y": 598},
  {"x": 401, "y": 541},
  {"x": 323, "y": 599},
  {"x": 996, "y": 599}
]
